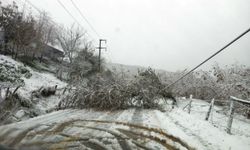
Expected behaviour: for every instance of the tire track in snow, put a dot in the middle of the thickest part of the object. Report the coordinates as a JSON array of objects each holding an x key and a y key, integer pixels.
[
  {"x": 172, "y": 139},
  {"x": 21, "y": 133},
  {"x": 137, "y": 119},
  {"x": 112, "y": 117},
  {"x": 108, "y": 115},
  {"x": 73, "y": 118},
  {"x": 14, "y": 129},
  {"x": 58, "y": 127}
]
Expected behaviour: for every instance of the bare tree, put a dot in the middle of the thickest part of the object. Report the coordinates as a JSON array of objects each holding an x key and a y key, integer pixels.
[
  {"x": 8, "y": 19},
  {"x": 71, "y": 41},
  {"x": 18, "y": 29},
  {"x": 45, "y": 34},
  {"x": 24, "y": 33}
]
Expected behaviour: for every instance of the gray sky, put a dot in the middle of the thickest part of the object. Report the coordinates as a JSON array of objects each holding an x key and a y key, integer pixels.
[{"x": 165, "y": 34}]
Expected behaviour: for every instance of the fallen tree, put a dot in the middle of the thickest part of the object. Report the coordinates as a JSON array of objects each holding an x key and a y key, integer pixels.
[{"x": 109, "y": 92}]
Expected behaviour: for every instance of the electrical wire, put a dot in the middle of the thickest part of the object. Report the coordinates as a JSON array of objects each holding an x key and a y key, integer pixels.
[
  {"x": 238, "y": 37},
  {"x": 32, "y": 5},
  {"x": 63, "y": 6},
  {"x": 39, "y": 11},
  {"x": 84, "y": 18},
  {"x": 51, "y": 21}
]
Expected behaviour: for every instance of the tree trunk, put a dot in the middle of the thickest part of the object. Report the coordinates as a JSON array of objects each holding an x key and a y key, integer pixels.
[
  {"x": 41, "y": 58},
  {"x": 33, "y": 56},
  {"x": 248, "y": 114},
  {"x": 16, "y": 52},
  {"x": 13, "y": 50},
  {"x": 5, "y": 47},
  {"x": 1, "y": 98}
]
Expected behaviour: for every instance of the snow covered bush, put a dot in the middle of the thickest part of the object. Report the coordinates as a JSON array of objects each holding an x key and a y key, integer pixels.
[
  {"x": 219, "y": 83},
  {"x": 233, "y": 80},
  {"x": 13, "y": 73},
  {"x": 104, "y": 91}
]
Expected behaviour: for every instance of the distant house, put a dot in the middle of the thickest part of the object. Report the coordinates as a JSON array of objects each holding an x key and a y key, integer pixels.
[{"x": 52, "y": 52}]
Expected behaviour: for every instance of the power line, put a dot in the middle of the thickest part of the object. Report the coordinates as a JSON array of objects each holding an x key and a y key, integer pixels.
[
  {"x": 68, "y": 12},
  {"x": 241, "y": 35},
  {"x": 39, "y": 11},
  {"x": 71, "y": 15},
  {"x": 36, "y": 8},
  {"x": 51, "y": 21},
  {"x": 77, "y": 8}
]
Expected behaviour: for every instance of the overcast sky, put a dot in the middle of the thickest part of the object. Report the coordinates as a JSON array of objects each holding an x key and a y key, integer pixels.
[{"x": 165, "y": 34}]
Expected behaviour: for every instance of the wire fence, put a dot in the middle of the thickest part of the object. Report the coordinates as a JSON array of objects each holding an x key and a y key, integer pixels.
[{"x": 222, "y": 116}]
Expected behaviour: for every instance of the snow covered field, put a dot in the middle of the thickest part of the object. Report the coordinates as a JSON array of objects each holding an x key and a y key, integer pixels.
[{"x": 128, "y": 129}]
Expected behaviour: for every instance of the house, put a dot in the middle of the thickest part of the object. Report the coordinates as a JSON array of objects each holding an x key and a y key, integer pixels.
[{"x": 52, "y": 52}]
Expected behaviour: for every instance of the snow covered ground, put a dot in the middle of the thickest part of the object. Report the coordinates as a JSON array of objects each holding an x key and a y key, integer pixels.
[
  {"x": 34, "y": 82},
  {"x": 37, "y": 79},
  {"x": 128, "y": 129},
  {"x": 210, "y": 134}
]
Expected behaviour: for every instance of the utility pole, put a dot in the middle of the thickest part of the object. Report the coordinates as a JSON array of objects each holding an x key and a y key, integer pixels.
[{"x": 100, "y": 49}]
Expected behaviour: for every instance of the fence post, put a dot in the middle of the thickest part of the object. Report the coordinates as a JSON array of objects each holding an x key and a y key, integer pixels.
[
  {"x": 190, "y": 104},
  {"x": 1, "y": 98},
  {"x": 230, "y": 119},
  {"x": 7, "y": 92},
  {"x": 64, "y": 90},
  {"x": 210, "y": 109}
]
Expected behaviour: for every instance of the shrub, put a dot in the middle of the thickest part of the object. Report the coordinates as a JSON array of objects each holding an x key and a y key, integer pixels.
[
  {"x": 12, "y": 73},
  {"x": 107, "y": 92}
]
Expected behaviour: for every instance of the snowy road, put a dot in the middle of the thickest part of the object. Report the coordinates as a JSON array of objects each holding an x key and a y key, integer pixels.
[
  {"x": 89, "y": 129},
  {"x": 127, "y": 129}
]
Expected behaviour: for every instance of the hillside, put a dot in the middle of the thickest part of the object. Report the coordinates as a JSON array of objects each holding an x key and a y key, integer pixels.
[
  {"x": 131, "y": 70},
  {"x": 31, "y": 80}
]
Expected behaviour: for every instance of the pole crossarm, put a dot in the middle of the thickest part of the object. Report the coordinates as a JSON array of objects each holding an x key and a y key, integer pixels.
[{"x": 100, "y": 48}]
